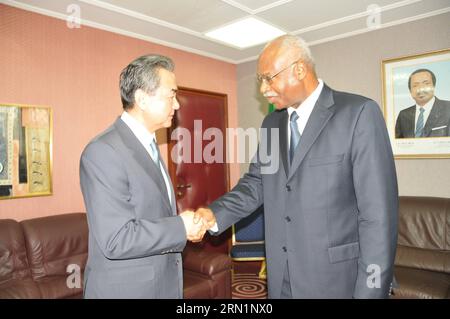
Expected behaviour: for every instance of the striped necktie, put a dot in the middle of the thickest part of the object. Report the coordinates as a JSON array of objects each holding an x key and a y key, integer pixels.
[{"x": 419, "y": 125}]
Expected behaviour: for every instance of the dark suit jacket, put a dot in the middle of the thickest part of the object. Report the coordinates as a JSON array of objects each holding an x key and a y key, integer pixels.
[
  {"x": 332, "y": 214},
  {"x": 135, "y": 236},
  {"x": 438, "y": 122}
]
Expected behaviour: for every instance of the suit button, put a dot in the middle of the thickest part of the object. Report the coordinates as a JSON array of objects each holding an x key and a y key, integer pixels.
[
  {"x": 288, "y": 187},
  {"x": 288, "y": 219},
  {"x": 284, "y": 249},
  {"x": 177, "y": 262}
]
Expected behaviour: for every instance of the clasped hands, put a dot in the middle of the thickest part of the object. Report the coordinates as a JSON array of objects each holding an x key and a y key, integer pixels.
[{"x": 197, "y": 223}]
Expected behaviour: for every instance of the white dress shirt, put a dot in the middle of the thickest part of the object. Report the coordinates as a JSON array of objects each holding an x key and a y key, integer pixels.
[
  {"x": 428, "y": 106},
  {"x": 145, "y": 137},
  {"x": 304, "y": 110}
]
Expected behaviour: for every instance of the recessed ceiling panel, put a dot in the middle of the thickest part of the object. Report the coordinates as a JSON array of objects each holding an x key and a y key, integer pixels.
[
  {"x": 198, "y": 15},
  {"x": 300, "y": 14}
]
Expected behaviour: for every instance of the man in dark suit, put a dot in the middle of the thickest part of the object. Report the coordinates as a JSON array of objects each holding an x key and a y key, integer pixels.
[
  {"x": 430, "y": 116},
  {"x": 135, "y": 235},
  {"x": 330, "y": 210}
]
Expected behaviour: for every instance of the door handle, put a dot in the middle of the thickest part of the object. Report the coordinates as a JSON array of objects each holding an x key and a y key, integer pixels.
[{"x": 181, "y": 186}]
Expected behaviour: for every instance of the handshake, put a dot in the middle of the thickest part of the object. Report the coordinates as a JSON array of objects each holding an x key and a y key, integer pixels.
[{"x": 197, "y": 223}]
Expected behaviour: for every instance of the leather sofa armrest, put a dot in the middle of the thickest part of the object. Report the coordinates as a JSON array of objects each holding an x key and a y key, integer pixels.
[{"x": 205, "y": 262}]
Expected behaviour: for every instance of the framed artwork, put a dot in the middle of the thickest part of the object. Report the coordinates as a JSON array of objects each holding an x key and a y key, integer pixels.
[
  {"x": 25, "y": 151},
  {"x": 416, "y": 102}
]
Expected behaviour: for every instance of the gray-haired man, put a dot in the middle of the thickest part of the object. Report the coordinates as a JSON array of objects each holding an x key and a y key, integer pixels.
[{"x": 135, "y": 235}]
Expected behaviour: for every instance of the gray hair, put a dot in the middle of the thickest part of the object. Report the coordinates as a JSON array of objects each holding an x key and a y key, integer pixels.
[
  {"x": 142, "y": 73},
  {"x": 293, "y": 42}
]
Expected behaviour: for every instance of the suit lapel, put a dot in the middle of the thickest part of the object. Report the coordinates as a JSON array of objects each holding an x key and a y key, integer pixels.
[
  {"x": 283, "y": 140},
  {"x": 316, "y": 122},
  {"x": 172, "y": 193},
  {"x": 432, "y": 118},
  {"x": 410, "y": 122},
  {"x": 142, "y": 157}
]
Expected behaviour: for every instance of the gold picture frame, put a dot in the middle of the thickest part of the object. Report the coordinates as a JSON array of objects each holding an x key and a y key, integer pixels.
[
  {"x": 26, "y": 139},
  {"x": 413, "y": 83}
]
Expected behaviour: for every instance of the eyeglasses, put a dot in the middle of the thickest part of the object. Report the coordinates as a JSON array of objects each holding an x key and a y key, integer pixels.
[{"x": 269, "y": 78}]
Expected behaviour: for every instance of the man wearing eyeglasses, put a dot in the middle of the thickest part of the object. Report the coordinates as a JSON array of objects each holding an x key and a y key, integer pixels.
[{"x": 331, "y": 208}]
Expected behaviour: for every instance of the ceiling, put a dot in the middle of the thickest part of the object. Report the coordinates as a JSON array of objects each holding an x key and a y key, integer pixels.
[{"x": 182, "y": 23}]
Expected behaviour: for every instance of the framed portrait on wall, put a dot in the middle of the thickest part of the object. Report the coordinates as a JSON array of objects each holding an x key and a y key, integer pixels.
[
  {"x": 416, "y": 103},
  {"x": 25, "y": 151}
]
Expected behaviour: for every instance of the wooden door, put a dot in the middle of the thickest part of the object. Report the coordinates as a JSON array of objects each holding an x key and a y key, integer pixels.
[{"x": 198, "y": 181}]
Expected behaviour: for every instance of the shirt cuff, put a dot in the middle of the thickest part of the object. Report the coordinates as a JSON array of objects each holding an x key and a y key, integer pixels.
[{"x": 215, "y": 228}]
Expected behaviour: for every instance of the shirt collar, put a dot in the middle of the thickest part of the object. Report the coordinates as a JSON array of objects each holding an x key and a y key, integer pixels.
[
  {"x": 306, "y": 107},
  {"x": 427, "y": 105},
  {"x": 139, "y": 130}
]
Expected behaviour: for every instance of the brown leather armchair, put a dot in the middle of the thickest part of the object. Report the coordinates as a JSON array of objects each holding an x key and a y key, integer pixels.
[
  {"x": 35, "y": 254},
  {"x": 422, "y": 264}
]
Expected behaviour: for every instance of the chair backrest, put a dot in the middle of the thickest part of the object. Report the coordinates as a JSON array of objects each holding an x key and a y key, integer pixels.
[{"x": 250, "y": 229}]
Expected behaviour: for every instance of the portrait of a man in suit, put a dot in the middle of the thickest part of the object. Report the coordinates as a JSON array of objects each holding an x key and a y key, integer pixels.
[{"x": 430, "y": 116}]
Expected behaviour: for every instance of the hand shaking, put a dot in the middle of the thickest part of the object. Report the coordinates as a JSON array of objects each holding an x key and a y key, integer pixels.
[
  {"x": 206, "y": 216},
  {"x": 197, "y": 223}
]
